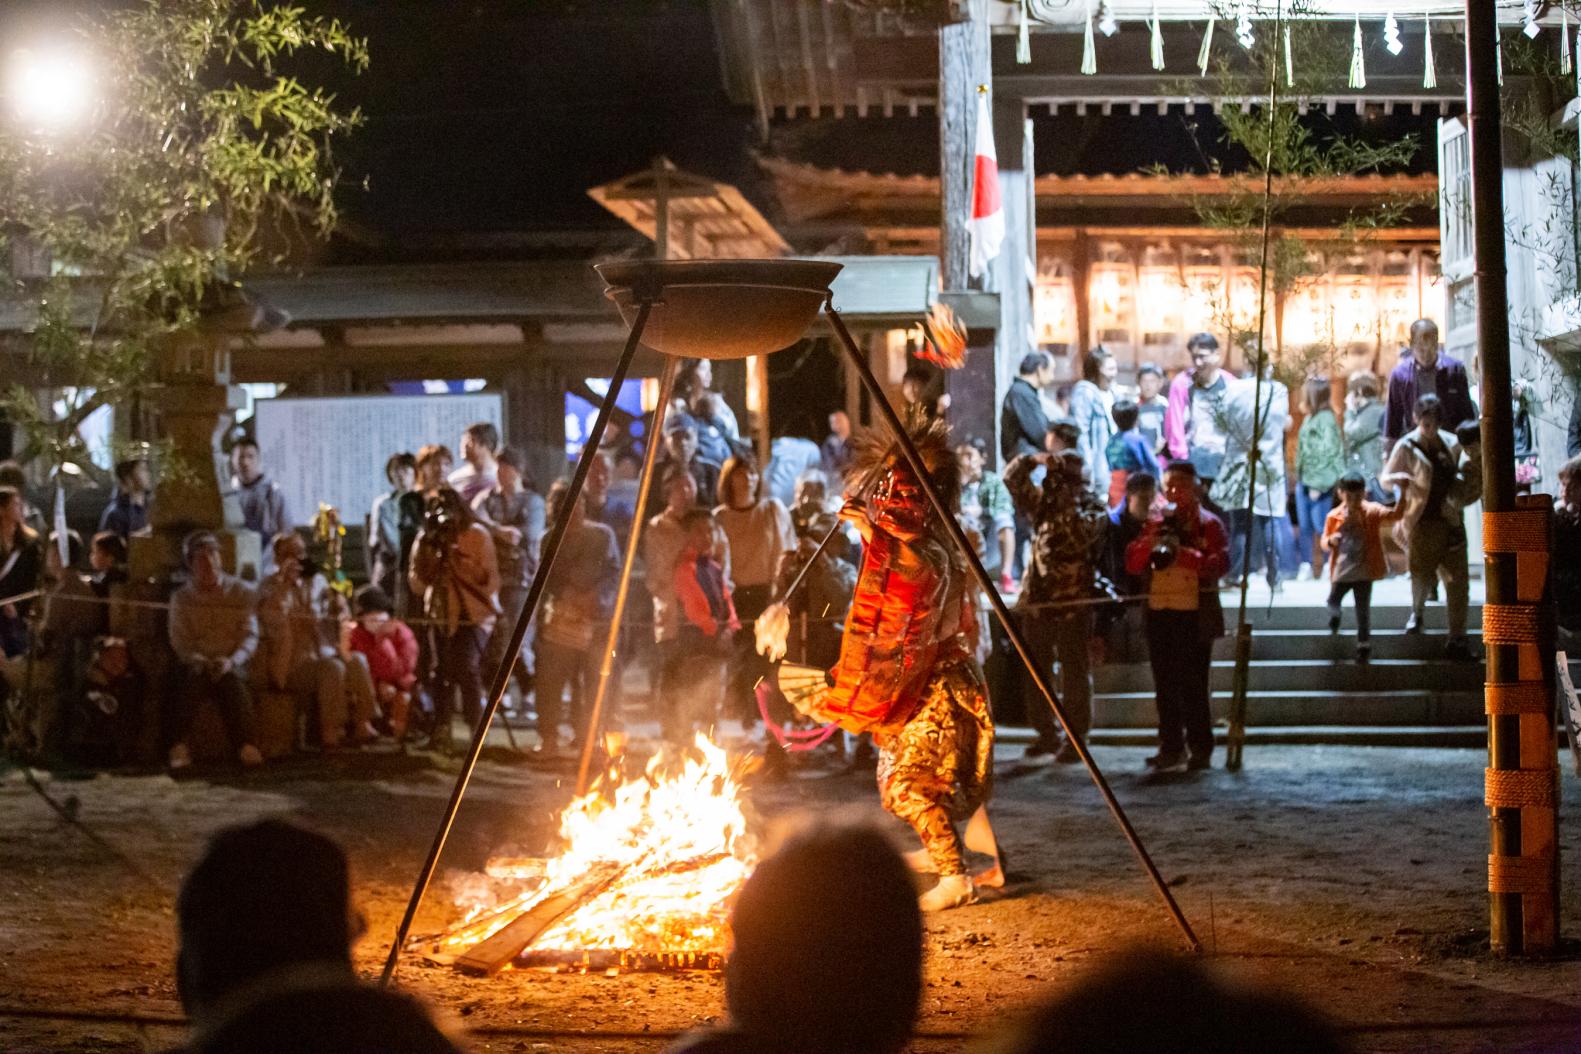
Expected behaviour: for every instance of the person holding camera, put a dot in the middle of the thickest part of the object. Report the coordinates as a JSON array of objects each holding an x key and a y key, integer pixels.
[
  {"x": 455, "y": 572},
  {"x": 1067, "y": 527},
  {"x": 1183, "y": 552},
  {"x": 300, "y": 618}
]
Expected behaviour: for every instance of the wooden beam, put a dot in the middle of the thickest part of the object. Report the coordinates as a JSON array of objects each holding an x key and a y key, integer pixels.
[{"x": 961, "y": 51}]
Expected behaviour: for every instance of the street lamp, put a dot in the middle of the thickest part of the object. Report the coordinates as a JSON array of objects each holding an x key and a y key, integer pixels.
[{"x": 48, "y": 88}]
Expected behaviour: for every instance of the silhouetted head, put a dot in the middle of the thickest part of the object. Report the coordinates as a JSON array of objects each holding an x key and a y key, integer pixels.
[
  {"x": 265, "y": 897},
  {"x": 1146, "y": 1000},
  {"x": 828, "y": 946}
]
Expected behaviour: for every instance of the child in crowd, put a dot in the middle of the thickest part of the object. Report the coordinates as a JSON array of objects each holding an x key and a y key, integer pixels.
[
  {"x": 708, "y": 625},
  {"x": 1353, "y": 539},
  {"x": 107, "y": 558},
  {"x": 390, "y": 647},
  {"x": 1128, "y": 451},
  {"x": 1062, "y": 435}
]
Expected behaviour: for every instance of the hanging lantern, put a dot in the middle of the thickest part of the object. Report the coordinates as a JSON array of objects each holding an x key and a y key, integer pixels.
[
  {"x": 1308, "y": 318},
  {"x": 1358, "y": 62},
  {"x": 1024, "y": 36},
  {"x": 1207, "y": 48},
  {"x": 1356, "y": 307},
  {"x": 1429, "y": 74}
]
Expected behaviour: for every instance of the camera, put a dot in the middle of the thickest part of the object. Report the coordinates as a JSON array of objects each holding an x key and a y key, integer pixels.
[{"x": 1163, "y": 555}]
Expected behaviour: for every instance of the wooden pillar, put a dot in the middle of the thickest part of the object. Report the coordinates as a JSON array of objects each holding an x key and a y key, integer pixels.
[{"x": 964, "y": 66}]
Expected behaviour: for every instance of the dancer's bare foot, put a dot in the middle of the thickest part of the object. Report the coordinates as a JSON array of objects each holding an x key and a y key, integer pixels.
[{"x": 953, "y": 891}]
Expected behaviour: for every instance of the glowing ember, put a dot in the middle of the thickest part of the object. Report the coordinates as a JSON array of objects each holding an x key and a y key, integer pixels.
[{"x": 675, "y": 841}]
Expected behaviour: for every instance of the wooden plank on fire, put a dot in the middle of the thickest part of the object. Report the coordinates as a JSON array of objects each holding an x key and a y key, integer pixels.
[{"x": 488, "y": 957}]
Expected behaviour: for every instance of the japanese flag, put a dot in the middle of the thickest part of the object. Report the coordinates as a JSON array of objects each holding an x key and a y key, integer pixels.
[{"x": 986, "y": 228}]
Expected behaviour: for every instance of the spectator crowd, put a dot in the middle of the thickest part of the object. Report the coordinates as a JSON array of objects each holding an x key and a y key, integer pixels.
[{"x": 1117, "y": 505}]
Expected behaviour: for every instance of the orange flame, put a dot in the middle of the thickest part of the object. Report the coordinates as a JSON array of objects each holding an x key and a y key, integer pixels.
[{"x": 679, "y": 833}]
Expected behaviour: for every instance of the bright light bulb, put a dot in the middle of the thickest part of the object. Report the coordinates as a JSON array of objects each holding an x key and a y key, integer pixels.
[{"x": 49, "y": 89}]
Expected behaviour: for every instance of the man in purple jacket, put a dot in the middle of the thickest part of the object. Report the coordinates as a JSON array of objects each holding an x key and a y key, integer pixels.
[{"x": 1426, "y": 372}]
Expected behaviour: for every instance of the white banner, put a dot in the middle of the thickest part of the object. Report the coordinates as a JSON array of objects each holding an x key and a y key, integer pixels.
[{"x": 334, "y": 449}]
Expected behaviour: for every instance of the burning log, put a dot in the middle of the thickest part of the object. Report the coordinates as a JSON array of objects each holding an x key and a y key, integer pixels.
[{"x": 488, "y": 957}]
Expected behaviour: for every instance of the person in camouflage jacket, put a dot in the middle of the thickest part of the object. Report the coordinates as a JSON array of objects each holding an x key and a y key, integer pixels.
[{"x": 1067, "y": 534}]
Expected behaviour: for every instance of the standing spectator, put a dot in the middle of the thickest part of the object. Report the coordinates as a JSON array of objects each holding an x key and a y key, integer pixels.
[
  {"x": 662, "y": 541},
  {"x": 299, "y": 618},
  {"x": 810, "y": 501},
  {"x": 986, "y": 509},
  {"x": 579, "y": 599},
  {"x": 384, "y": 529},
  {"x": 695, "y": 377},
  {"x": 1022, "y": 422},
  {"x": 825, "y": 596},
  {"x": 1150, "y": 405},
  {"x": 602, "y": 498},
  {"x": 11, "y": 475},
  {"x": 1060, "y": 437},
  {"x": 1364, "y": 430},
  {"x": 127, "y": 512},
  {"x": 514, "y": 515},
  {"x": 433, "y": 470},
  {"x": 479, "y": 471},
  {"x": 1255, "y": 415},
  {"x": 455, "y": 572},
  {"x": 714, "y": 443},
  {"x": 708, "y": 625},
  {"x": 389, "y": 647},
  {"x": 1128, "y": 452},
  {"x": 1425, "y": 466},
  {"x": 1567, "y": 539},
  {"x": 1193, "y": 425},
  {"x": 1068, "y": 525},
  {"x": 1528, "y": 464},
  {"x": 21, "y": 563},
  {"x": 836, "y": 450},
  {"x": 213, "y": 625},
  {"x": 1183, "y": 553},
  {"x": 1126, "y": 521},
  {"x": 790, "y": 457},
  {"x": 680, "y": 450},
  {"x": 263, "y": 502},
  {"x": 760, "y": 535},
  {"x": 1353, "y": 538},
  {"x": 1426, "y": 371},
  {"x": 1320, "y": 461},
  {"x": 1092, "y": 408}
]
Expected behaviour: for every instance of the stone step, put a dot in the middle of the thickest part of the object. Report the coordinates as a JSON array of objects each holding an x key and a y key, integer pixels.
[
  {"x": 1297, "y": 644},
  {"x": 1385, "y": 617},
  {"x": 1287, "y": 708},
  {"x": 1014, "y": 736},
  {"x": 1312, "y": 676}
]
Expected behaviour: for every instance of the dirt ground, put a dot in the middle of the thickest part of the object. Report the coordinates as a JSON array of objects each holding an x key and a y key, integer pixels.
[{"x": 1353, "y": 876}]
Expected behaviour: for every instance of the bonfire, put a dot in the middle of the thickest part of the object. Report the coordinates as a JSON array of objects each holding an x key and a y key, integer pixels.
[{"x": 649, "y": 868}]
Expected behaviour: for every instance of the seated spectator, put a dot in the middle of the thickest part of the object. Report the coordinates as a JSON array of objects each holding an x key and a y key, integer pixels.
[
  {"x": 107, "y": 561},
  {"x": 127, "y": 512},
  {"x": 479, "y": 471},
  {"x": 21, "y": 564},
  {"x": 299, "y": 617},
  {"x": 266, "y": 928},
  {"x": 213, "y": 625},
  {"x": 837, "y": 895},
  {"x": 1148, "y": 1001},
  {"x": 1128, "y": 452},
  {"x": 390, "y": 648},
  {"x": 1353, "y": 538},
  {"x": 707, "y": 629}
]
